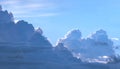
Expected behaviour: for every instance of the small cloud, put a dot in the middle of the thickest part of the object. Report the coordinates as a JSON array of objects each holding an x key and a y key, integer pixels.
[
  {"x": 19, "y": 12},
  {"x": 9, "y": 2},
  {"x": 16, "y": 21},
  {"x": 32, "y": 6},
  {"x": 39, "y": 5},
  {"x": 49, "y": 14},
  {"x": 116, "y": 39},
  {"x": 74, "y": 33},
  {"x": 38, "y": 15}
]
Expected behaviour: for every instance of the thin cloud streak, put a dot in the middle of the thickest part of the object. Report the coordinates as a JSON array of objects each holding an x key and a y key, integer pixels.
[
  {"x": 116, "y": 39},
  {"x": 33, "y": 6},
  {"x": 39, "y": 15},
  {"x": 26, "y": 8},
  {"x": 9, "y": 2}
]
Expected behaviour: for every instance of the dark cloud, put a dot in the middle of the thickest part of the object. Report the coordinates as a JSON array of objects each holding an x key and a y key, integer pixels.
[
  {"x": 5, "y": 16},
  {"x": 21, "y": 46}
]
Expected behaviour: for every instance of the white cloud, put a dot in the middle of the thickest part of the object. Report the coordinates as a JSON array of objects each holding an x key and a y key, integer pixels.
[
  {"x": 39, "y": 15},
  {"x": 16, "y": 21},
  {"x": 116, "y": 39},
  {"x": 27, "y": 8},
  {"x": 9, "y": 2},
  {"x": 48, "y": 14},
  {"x": 73, "y": 34},
  {"x": 32, "y": 6},
  {"x": 19, "y": 12},
  {"x": 98, "y": 44}
]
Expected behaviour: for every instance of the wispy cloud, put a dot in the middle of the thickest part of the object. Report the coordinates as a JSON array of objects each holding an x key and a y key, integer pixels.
[
  {"x": 116, "y": 39},
  {"x": 33, "y": 6},
  {"x": 39, "y": 15},
  {"x": 49, "y": 14},
  {"x": 9, "y": 2},
  {"x": 37, "y": 8}
]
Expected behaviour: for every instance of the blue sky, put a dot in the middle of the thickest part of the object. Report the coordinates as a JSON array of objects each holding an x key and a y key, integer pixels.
[{"x": 57, "y": 17}]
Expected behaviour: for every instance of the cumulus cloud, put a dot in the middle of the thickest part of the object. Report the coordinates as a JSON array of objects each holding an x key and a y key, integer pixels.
[
  {"x": 95, "y": 46},
  {"x": 71, "y": 39},
  {"x": 100, "y": 36},
  {"x": 73, "y": 34}
]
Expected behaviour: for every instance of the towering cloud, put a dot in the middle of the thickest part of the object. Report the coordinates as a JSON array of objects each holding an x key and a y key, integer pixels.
[
  {"x": 101, "y": 36},
  {"x": 22, "y": 45},
  {"x": 20, "y": 32},
  {"x": 72, "y": 40},
  {"x": 97, "y": 46},
  {"x": 73, "y": 35}
]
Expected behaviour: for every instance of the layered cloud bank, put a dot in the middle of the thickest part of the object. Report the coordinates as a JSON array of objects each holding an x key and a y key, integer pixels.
[{"x": 21, "y": 46}]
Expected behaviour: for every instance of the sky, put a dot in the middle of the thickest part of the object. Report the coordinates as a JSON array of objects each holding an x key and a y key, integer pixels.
[{"x": 57, "y": 17}]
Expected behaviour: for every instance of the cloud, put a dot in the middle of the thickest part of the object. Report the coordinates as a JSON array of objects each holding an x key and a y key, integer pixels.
[
  {"x": 33, "y": 6},
  {"x": 16, "y": 21},
  {"x": 100, "y": 36},
  {"x": 116, "y": 39},
  {"x": 48, "y": 14},
  {"x": 38, "y": 15},
  {"x": 21, "y": 8},
  {"x": 73, "y": 34},
  {"x": 98, "y": 44},
  {"x": 10, "y": 2}
]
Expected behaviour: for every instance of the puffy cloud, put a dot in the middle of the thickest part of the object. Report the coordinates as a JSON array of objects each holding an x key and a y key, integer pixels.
[
  {"x": 100, "y": 36},
  {"x": 73, "y": 35},
  {"x": 39, "y": 30},
  {"x": 93, "y": 47},
  {"x": 72, "y": 40}
]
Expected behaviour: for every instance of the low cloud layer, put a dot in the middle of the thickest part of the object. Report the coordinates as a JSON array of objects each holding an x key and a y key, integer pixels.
[{"x": 22, "y": 46}]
